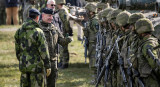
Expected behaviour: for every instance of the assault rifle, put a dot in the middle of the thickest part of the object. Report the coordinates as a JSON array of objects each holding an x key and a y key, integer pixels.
[
  {"x": 120, "y": 62},
  {"x": 105, "y": 68}
]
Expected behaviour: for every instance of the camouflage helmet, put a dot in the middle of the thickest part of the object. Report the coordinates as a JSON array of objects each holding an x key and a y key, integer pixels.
[
  {"x": 91, "y": 7},
  {"x": 106, "y": 12},
  {"x": 144, "y": 25},
  {"x": 122, "y": 18},
  {"x": 102, "y": 5},
  {"x": 60, "y": 2},
  {"x": 111, "y": 17},
  {"x": 134, "y": 17},
  {"x": 100, "y": 14}
]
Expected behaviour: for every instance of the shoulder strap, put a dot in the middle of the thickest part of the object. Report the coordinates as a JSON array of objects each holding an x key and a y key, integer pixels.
[{"x": 142, "y": 43}]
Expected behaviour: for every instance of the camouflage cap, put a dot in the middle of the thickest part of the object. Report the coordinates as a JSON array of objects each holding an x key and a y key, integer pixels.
[
  {"x": 111, "y": 17},
  {"x": 60, "y": 2},
  {"x": 122, "y": 18},
  {"x": 91, "y": 7},
  {"x": 144, "y": 25},
  {"x": 134, "y": 17},
  {"x": 102, "y": 5}
]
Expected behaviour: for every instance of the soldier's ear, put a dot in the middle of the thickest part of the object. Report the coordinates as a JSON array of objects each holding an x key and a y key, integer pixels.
[{"x": 37, "y": 19}]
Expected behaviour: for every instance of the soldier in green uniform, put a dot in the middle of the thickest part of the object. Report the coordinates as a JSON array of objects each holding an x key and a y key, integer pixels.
[
  {"x": 32, "y": 52},
  {"x": 115, "y": 32},
  {"x": 130, "y": 43},
  {"x": 104, "y": 37},
  {"x": 122, "y": 21},
  {"x": 105, "y": 28},
  {"x": 147, "y": 67},
  {"x": 133, "y": 37},
  {"x": 67, "y": 31},
  {"x": 53, "y": 37},
  {"x": 92, "y": 27}
]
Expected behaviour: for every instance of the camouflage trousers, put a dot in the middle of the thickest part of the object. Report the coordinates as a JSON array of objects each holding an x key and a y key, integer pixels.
[
  {"x": 64, "y": 55},
  {"x": 92, "y": 60},
  {"x": 51, "y": 80},
  {"x": 32, "y": 80},
  {"x": 91, "y": 55},
  {"x": 112, "y": 80}
]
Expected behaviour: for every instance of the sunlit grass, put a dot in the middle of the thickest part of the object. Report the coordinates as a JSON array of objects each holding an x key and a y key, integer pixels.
[{"x": 77, "y": 75}]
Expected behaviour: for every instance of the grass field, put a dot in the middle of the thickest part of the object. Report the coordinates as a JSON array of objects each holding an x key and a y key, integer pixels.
[{"x": 77, "y": 75}]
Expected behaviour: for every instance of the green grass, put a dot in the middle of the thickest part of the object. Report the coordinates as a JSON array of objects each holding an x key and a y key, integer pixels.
[
  {"x": 9, "y": 26},
  {"x": 77, "y": 75}
]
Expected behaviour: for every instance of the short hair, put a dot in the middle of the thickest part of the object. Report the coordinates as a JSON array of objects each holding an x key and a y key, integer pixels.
[
  {"x": 33, "y": 16},
  {"x": 49, "y": 1}
]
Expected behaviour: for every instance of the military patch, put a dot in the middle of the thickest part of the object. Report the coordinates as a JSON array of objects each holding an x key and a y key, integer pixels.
[{"x": 97, "y": 26}]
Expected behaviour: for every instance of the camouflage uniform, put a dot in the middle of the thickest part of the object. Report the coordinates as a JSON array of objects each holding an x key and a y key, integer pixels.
[
  {"x": 122, "y": 21},
  {"x": 67, "y": 31},
  {"x": 53, "y": 37},
  {"x": 90, "y": 33},
  {"x": 133, "y": 39},
  {"x": 105, "y": 29},
  {"x": 115, "y": 32},
  {"x": 32, "y": 53},
  {"x": 145, "y": 65}
]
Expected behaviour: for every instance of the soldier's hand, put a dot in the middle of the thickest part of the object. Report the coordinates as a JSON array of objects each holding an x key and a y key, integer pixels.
[{"x": 48, "y": 72}]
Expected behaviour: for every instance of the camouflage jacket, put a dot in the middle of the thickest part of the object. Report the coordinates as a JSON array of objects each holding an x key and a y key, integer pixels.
[
  {"x": 31, "y": 47},
  {"x": 63, "y": 14},
  {"x": 145, "y": 64},
  {"x": 92, "y": 29},
  {"x": 53, "y": 36}
]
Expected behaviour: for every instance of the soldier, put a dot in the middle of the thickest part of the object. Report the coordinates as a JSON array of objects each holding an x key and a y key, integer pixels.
[
  {"x": 90, "y": 33},
  {"x": 56, "y": 19},
  {"x": 115, "y": 32},
  {"x": 32, "y": 52},
  {"x": 67, "y": 31},
  {"x": 133, "y": 37},
  {"x": 122, "y": 21},
  {"x": 105, "y": 25},
  {"x": 111, "y": 17},
  {"x": 146, "y": 66},
  {"x": 129, "y": 46},
  {"x": 103, "y": 38},
  {"x": 53, "y": 37}
]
